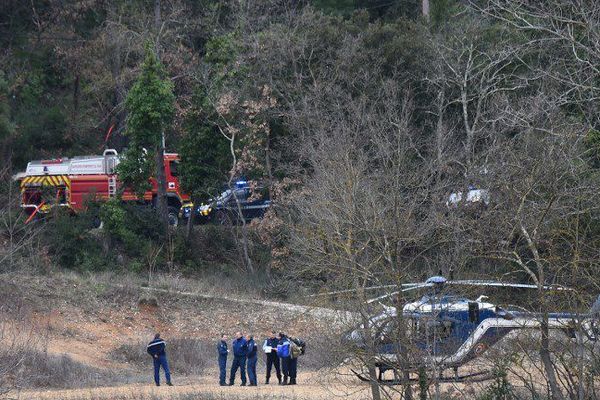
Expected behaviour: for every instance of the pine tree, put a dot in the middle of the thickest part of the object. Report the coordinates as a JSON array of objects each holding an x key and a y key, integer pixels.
[{"x": 150, "y": 111}]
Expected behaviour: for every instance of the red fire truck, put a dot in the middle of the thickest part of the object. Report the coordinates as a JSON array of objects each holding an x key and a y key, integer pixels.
[{"x": 71, "y": 182}]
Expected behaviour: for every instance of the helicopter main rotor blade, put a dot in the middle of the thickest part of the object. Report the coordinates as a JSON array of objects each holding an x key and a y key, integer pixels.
[
  {"x": 440, "y": 281},
  {"x": 406, "y": 285},
  {"x": 379, "y": 298},
  {"x": 503, "y": 284}
]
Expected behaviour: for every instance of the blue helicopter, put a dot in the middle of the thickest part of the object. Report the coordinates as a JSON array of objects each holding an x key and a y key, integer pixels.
[{"x": 446, "y": 331}]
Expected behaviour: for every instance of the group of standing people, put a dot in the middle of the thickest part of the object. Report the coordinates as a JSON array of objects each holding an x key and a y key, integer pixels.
[{"x": 281, "y": 352}]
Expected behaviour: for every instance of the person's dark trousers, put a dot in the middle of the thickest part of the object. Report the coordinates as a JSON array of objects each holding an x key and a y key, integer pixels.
[
  {"x": 273, "y": 360},
  {"x": 285, "y": 369},
  {"x": 238, "y": 362},
  {"x": 222, "y": 369},
  {"x": 158, "y": 362},
  {"x": 293, "y": 370},
  {"x": 252, "y": 370}
]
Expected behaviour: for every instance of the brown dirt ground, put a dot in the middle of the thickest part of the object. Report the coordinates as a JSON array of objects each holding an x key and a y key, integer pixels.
[
  {"x": 88, "y": 324},
  {"x": 310, "y": 387}
]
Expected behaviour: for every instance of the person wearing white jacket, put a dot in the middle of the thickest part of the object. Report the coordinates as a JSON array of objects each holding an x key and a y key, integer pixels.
[{"x": 270, "y": 349}]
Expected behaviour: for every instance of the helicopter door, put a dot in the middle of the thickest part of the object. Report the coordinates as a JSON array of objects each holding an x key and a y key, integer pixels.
[{"x": 473, "y": 312}]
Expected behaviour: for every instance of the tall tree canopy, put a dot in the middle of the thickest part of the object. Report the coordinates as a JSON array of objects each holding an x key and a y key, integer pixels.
[{"x": 150, "y": 109}]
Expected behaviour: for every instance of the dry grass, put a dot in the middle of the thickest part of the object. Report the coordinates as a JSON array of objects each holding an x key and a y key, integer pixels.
[
  {"x": 186, "y": 356},
  {"x": 25, "y": 361},
  {"x": 214, "y": 284},
  {"x": 310, "y": 387},
  {"x": 38, "y": 369},
  {"x": 188, "y": 396}
]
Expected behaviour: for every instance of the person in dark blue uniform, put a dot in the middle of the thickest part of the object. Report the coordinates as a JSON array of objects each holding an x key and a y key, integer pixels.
[
  {"x": 252, "y": 359},
  {"x": 223, "y": 351},
  {"x": 156, "y": 348},
  {"x": 240, "y": 351},
  {"x": 270, "y": 349},
  {"x": 292, "y": 367}
]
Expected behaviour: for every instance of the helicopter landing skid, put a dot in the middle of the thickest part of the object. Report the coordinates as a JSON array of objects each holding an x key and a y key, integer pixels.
[{"x": 474, "y": 377}]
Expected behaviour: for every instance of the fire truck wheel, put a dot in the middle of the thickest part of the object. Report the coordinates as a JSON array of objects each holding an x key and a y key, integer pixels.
[{"x": 173, "y": 217}]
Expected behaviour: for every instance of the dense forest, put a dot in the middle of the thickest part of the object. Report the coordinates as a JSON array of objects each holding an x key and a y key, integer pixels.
[{"x": 363, "y": 118}]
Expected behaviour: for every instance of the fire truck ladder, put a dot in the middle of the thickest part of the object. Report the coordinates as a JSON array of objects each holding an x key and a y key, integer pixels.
[{"x": 112, "y": 186}]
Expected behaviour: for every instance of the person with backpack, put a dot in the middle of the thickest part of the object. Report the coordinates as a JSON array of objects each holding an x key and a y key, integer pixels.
[
  {"x": 283, "y": 352},
  {"x": 252, "y": 359},
  {"x": 270, "y": 349},
  {"x": 156, "y": 348},
  {"x": 240, "y": 351},
  {"x": 223, "y": 351},
  {"x": 297, "y": 348}
]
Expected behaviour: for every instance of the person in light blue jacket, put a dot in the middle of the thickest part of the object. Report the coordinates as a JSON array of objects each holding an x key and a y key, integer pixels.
[{"x": 284, "y": 353}]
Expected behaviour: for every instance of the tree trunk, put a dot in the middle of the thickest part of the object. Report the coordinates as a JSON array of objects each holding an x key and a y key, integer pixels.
[
  {"x": 440, "y": 134},
  {"x": 75, "y": 97},
  {"x": 245, "y": 250},
  {"x": 545, "y": 356},
  {"x": 408, "y": 393},
  {"x": 190, "y": 223},
  {"x": 468, "y": 128},
  {"x": 370, "y": 346},
  {"x": 270, "y": 186},
  {"x": 157, "y": 15},
  {"x": 368, "y": 336},
  {"x": 157, "y": 27},
  {"x": 245, "y": 253},
  {"x": 161, "y": 196},
  {"x": 116, "y": 70},
  {"x": 423, "y": 385},
  {"x": 375, "y": 393},
  {"x": 425, "y": 8}
]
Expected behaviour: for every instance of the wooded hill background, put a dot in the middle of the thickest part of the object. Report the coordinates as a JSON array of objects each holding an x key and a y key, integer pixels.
[{"x": 361, "y": 117}]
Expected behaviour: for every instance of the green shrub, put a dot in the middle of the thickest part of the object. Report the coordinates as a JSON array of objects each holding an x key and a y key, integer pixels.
[
  {"x": 500, "y": 389},
  {"x": 72, "y": 245}
]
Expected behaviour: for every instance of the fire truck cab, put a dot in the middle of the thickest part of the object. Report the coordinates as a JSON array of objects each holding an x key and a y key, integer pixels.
[{"x": 72, "y": 182}]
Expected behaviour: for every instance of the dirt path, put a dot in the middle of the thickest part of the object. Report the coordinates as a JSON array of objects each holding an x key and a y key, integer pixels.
[{"x": 313, "y": 311}]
